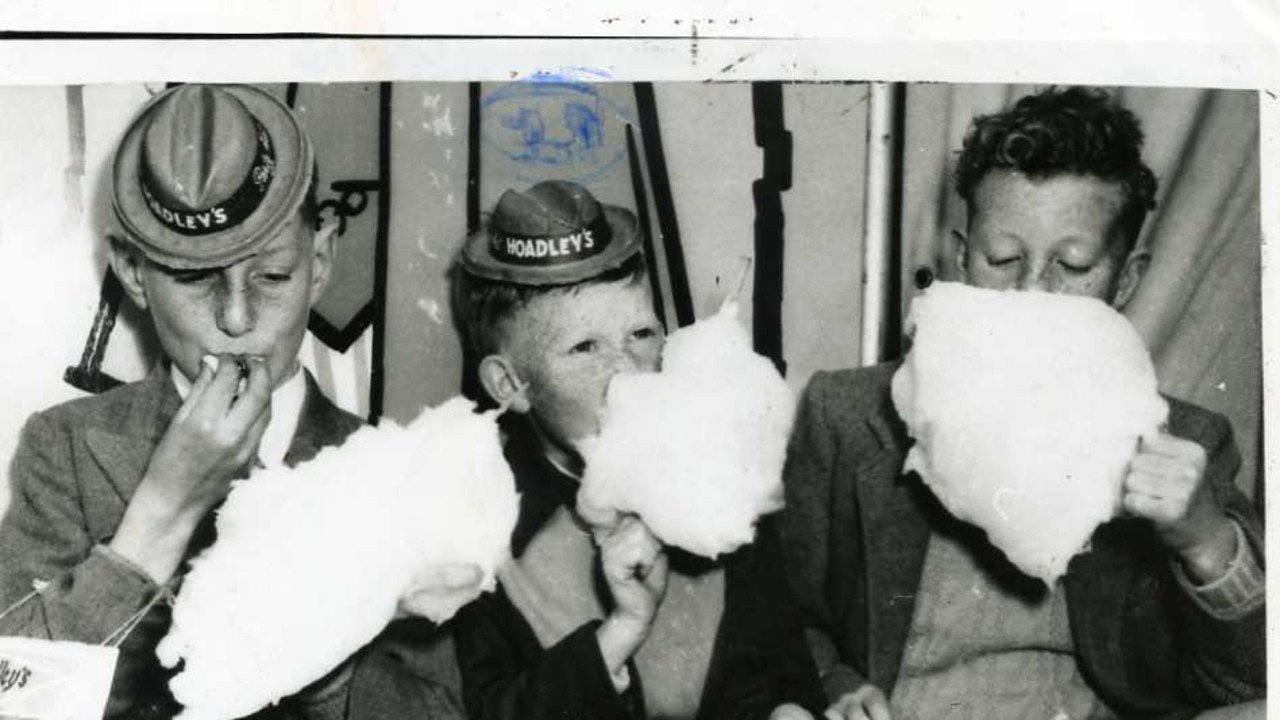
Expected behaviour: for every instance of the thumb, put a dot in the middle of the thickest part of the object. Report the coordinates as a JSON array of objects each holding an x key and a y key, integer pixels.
[{"x": 597, "y": 516}]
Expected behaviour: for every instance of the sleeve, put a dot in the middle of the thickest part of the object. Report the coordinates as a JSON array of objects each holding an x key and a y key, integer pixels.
[
  {"x": 409, "y": 674},
  {"x": 762, "y": 656},
  {"x": 804, "y": 527},
  {"x": 1226, "y": 662},
  {"x": 504, "y": 678},
  {"x": 1241, "y": 590},
  {"x": 88, "y": 593}
]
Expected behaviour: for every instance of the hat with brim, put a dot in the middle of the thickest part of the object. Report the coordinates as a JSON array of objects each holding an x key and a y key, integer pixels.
[
  {"x": 554, "y": 233},
  {"x": 207, "y": 174}
]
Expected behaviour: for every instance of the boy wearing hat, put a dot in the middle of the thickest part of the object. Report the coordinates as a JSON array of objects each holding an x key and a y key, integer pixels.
[
  {"x": 911, "y": 612},
  {"x": 599, "y": 622},
  {"x": 213, "y": 189}
]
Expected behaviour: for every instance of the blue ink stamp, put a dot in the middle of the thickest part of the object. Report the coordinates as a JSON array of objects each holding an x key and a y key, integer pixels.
[{"x": 551, "y": 127}]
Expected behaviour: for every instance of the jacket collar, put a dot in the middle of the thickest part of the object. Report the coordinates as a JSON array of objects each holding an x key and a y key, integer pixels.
[
  {"x": 894, "y": 510},
  {"x": 543, "y": 487}
]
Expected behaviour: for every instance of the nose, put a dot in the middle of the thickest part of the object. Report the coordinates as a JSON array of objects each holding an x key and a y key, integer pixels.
[
  {"x": 1037, "y": 275},
  {"x": 236, "y": 311}
]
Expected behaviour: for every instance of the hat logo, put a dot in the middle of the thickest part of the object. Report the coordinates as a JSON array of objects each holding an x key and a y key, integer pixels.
[
  {"x": 551, "y": 250},
  {"x": 228, "y": 213}
]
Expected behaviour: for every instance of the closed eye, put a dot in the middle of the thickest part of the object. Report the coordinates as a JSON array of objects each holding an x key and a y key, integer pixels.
[
  {"x": 1075, "y": 269},
  {"x": 1003, "y": 261}
]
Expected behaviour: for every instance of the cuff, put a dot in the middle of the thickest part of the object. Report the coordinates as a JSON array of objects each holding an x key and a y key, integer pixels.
[
  {"x": 1240, "y": 591},
  {"x": 125, "y": 565}
]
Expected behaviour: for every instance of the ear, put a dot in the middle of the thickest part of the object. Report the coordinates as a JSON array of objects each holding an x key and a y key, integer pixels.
[
  {"x": 1135, "y": 267},
  {"x": 499, "y": 378},
  {"x": 960, "y": 255},
  {"x": 128, "y": 268},
  {"x": 323, "y": 247}
]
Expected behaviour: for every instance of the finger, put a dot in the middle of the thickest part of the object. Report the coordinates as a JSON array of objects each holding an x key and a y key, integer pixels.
[
  {"x": 599, "y": 518},
  {"x": 217, "y": 396},
  {"x": 1148, "y": 506},
  {"x": 1145, "y": 482},
  {"x": 255, "y": 399},
  {"x": 1155, "y": 463},
  {"x": 1169, "y": 446},
  {"x": 208, "y": 366},
  {"x": 877, "y": 707},
  {"x": 1175, "y": 488},
  {"x": 849, "y": 711},
  {"x": 655, "y": 576}
]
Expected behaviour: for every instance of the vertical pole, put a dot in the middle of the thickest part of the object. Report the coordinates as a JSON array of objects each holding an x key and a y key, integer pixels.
[
  {"x": 774, "y": 141},
  {"x": 880, "y": 271},
  {"x": 378, "y": 371}
]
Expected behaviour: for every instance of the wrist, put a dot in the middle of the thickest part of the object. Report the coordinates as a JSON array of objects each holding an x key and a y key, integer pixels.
[
  {"x": 1210, "y": 559},
  {"x": 619, "y": 638},
  {"x": 154, "y": 534}
]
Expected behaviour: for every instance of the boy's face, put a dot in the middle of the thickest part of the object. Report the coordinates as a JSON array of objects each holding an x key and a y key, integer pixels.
[
  {"x": 1061, "y": 234},
  {"x": 257, "y": 306},
  {"x": 567, "y": 346}
]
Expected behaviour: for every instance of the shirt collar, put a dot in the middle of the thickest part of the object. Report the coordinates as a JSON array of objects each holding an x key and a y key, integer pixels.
[
  {"x": 543, "y": 485},
  {"x": 286, "y": 409}
]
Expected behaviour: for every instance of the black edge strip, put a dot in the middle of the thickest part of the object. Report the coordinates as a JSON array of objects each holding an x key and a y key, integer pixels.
[
  {"x": 470, "y": 385},
  {"x": 893, "y": 327},
  {"x": 473, "y": 158},
  {"x": 377, "y": 370},
  {"x": 646, "y": 232},
  {"x": 663, "y": 203},
  {"x": 773, "y": 138}
]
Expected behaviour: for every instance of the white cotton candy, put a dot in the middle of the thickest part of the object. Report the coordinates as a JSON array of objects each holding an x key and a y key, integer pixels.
[
  {"x": 1026, "y": 408},
  {"x": 697, "y": 449},
  {"x": 310, "y": 562}
]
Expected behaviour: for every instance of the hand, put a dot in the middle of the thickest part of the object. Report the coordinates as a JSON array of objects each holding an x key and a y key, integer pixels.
[
  {"x": 1166, "y": 485},
  {"x": 865, "y": 703},
  {"x": 212, "y": 438},
  {"x": 789, "y": 711},
  {"x": 439, "y": 590},
  {"x": 635, "y": 568}
]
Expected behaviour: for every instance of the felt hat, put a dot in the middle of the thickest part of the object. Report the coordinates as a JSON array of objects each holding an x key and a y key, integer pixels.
[
  {"x": 206, "y": 174},
  {"x": 554, "y": 233}
]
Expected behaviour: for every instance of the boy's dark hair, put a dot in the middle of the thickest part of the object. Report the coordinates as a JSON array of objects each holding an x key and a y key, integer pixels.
[
  {"x": 481, "y": 306},
  {"x": 1074, "y": 131}
]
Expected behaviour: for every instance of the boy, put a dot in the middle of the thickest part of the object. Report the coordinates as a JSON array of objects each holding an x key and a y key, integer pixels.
[
  {"x": 909, "y": 610},
  {"x": 213, "y": 187},
  {"x": 599, "y": 622}
]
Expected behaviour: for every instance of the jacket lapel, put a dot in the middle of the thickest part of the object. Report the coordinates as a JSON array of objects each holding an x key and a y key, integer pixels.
[
  {"x": 895, "y": 535},
  {"x": 123, "y": 451},
  {"x": 320, "y": 425}
]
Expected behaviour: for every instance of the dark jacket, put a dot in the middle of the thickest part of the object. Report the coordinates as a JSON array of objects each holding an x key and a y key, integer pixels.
[
  {"x": 759, "y": 660},
  {"x": 75, "y": 469},
  {"x": 856, "y": 528}
]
